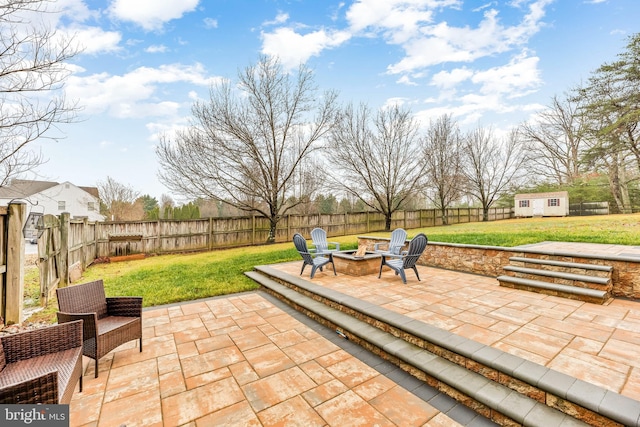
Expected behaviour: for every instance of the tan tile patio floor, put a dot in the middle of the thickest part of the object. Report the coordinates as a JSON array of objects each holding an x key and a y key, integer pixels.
[{"x": 242, "y": 360}]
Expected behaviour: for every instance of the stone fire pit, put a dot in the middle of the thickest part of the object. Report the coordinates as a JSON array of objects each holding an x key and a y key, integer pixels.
[{"x": 347, "y": 263}]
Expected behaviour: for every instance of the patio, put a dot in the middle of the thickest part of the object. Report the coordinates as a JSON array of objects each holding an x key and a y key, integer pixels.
[
  {"x": 247, "y": 360},
  {"x": 242, "y": 360}
]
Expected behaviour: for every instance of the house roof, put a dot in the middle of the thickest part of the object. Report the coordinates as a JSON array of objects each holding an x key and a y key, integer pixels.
[
  {"x": 22, "y": 188},
  {"x": 19, "y": 188},
  {"x": 91, "y": 190}
]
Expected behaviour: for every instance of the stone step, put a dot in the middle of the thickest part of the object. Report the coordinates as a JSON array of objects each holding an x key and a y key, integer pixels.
[
  {"x": 561, "y": 277},
  {"x": 576, "y": 265},
  {"x": 596, "y": 270},
  {"x": 595, "y": 296},
  {"x": 455, "y": 364}
]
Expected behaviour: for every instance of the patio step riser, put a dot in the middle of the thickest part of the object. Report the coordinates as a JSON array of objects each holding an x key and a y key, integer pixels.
[
  {"x": 555, "y": 293},
  {"x": 444, "y": 347},
  {"x": 558, "y": 265},
  {"x": 559, "y": 278}
]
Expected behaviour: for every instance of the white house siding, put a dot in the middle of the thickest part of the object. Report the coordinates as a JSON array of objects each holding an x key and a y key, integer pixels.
[
  {"x": 76, "y": 202},
  {"x": 542, "y": 204}
]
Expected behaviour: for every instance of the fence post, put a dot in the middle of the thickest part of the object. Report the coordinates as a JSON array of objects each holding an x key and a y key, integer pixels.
[
  {"x": 84, "y": 246},
  {"x": 253, "y": 229},
  {"x": 345, "y": 218},
  {"x": 15, "y": 263},
  {"x": 65, "y": 224},
  {"x": 210, "y": 233},
  {"x": 367, "y": 221}
]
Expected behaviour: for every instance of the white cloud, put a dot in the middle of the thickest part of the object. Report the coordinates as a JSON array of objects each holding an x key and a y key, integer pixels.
[
  {"x": 94, "y": 40},
  {"x": 473, "y": 94},
  {"x": 516, "y": 79},
  {"x": 158, "y": 129},
  {"x": 406, "y": 80},
  {"x": 449, "y": 79},
  {"x": 393, "y": 102},
  {"x": 151, "y": 14},
  {"x": 76, "y": 10},
  {"x": 134, "y": 94},
  {"x": 442, "y": 43},
  {"x": 398, "y": 20},
  {"x": 280, "y": 18},
  {"x": 293, "y": 48},
  {"x": 210, "y": 23},
  {"x": 156, "y": 49}
]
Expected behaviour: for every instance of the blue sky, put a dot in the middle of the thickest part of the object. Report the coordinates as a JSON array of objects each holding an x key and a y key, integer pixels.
[{"x": 145, "y": 62}]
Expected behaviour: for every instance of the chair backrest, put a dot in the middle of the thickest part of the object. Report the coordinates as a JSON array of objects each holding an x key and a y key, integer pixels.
[
  {"x": 3, "y": 360},
  {"x": 301, "y": 247},
  {"x": 86, "y": 298},
  {"x": 398, "y": 238},
  {"x": 319, "y": 239},
  {"x": 416, "y": 247}
]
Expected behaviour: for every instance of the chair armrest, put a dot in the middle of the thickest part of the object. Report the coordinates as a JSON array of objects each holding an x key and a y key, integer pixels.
[
  {"x": 89, "y": 324},
  {"x": 376, "y": 246},
  {"x": 42, "y": 389},
  {"x": 38, "y": 342},
  {"x": 124, "y": 306},
  {"x": 336, "y": 244}
]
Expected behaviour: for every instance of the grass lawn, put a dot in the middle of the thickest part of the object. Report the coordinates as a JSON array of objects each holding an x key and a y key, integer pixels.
[{"x": 174, "y": 278}]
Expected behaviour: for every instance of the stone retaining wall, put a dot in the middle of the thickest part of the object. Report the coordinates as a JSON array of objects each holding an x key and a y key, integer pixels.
[{"x": 490, "y": 260}]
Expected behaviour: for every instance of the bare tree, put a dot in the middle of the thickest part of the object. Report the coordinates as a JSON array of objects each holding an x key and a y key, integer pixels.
[
  {"x": 442, "y": 148},
  {"x": 119, "y": 202},
  {"x": 246, "y": 148},
  {"x": 32, "y": 76},
  {"x": 378, "y": 157},
  {"x": 555, "y": 141},
  {"x": 491, "y": 165}
]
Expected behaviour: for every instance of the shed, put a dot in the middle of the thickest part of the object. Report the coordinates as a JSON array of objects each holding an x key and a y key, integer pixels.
[{"x": 542, "y": 204}]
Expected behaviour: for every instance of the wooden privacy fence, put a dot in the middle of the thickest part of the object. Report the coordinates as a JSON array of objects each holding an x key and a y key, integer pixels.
[
  {"x": 68, "y": 245},
  {"x": 81, "y": 242}
]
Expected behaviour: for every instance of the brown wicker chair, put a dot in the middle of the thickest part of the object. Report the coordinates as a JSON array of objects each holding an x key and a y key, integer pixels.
[
  {"x": 41, "y": 366},
  {"x": 108, "y": 322}
]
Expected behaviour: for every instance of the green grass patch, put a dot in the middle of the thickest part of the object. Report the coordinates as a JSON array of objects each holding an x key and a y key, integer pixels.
[{"x": 610, "y": 229}]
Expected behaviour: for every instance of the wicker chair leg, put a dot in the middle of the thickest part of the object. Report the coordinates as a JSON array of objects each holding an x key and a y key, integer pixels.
[
  {"x": 80, "y": 382},
  {"x": 96, "y": 368},
  {"x": 140, "y": 344}
]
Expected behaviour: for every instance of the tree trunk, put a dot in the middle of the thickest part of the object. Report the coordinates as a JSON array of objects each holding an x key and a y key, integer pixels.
[
  {"x": 272, "y": 230},
  {"x": 485, "y": 213},
  {"x": 387, "y": 222},
  {"x": 443, "y": 213}
]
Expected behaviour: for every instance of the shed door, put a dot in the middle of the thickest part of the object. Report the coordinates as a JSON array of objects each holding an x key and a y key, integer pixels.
[{"x": 538, "y": 207}]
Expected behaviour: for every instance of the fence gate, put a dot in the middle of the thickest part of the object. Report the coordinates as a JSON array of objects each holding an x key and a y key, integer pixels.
[{"x": 49, "y": 244}]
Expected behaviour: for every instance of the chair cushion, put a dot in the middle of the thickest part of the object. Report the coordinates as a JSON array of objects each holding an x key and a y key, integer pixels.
[
  {"x": 63, "y": 362},
  {"x": 111, "y": 323}
]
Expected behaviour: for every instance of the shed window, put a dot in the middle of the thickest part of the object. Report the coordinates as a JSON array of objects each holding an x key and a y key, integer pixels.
[
  {"x": 523, "y": 203},
  {"x": 61, "y": 205},
  {"x": 553, "y": 202},
  {"x": 91, "y": 206}
]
